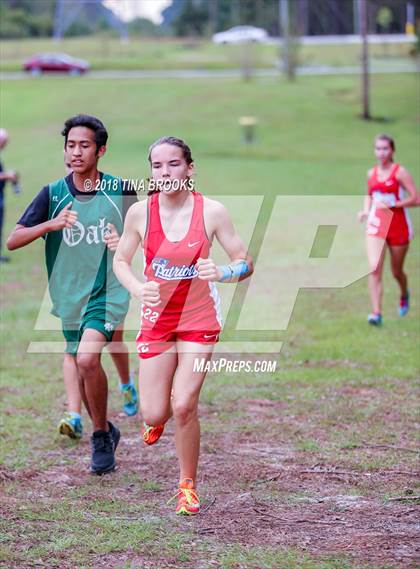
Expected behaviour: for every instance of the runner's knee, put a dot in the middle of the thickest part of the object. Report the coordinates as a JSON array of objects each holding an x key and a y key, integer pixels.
[
  {"x": 397, "y": 273},
  {"x": 154, "y": 417},
  {"x": 184, "y": 410},
  {"x": 87, "y": 364}
]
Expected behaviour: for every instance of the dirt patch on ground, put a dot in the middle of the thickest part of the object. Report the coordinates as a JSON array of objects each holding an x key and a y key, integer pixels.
[{"x": 256, "y": 488}]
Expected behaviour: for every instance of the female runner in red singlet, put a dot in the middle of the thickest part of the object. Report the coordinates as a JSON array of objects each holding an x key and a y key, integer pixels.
[
  {"x": 180, "y": 317},
  {"x": 387, "y": 223}
]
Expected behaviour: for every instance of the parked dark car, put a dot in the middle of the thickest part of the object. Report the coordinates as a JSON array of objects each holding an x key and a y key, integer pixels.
[{"x": 55, "y": 62}]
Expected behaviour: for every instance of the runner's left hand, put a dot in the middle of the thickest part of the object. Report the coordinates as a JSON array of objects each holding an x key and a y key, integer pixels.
[
  {"x": 208, "y": 270},
  {"x": 112, "y": 238}
]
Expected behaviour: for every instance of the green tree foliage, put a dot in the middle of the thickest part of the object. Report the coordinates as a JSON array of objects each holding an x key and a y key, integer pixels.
[
  {"x": 32, "y": 18},
  {"x": 26, "y": 18},
  {"x": 192, "y": 17},
  {"x": 144, "y": 28}
]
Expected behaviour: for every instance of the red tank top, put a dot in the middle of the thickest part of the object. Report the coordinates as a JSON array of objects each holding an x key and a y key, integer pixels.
[
  {"x": 172, "y": 264},
  {"x": 389, "y": 186}
]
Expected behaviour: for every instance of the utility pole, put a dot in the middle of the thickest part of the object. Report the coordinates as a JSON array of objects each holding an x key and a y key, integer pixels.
[
  {"x": 285, "y": 32},
  {"x": 213, "y": 10},
  {"x": 365, "y": 58},
  {"x": 356, "y": 17},
  {"x": 58, "y": 19}
]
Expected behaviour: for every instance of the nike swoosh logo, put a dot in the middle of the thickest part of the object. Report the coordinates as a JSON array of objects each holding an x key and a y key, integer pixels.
[
  {"x": 192, "y": 244},
  {"x": 210, "y": 336}
]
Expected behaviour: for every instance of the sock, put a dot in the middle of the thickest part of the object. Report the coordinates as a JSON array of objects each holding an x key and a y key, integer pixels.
[{"x": 74, "y": 415}]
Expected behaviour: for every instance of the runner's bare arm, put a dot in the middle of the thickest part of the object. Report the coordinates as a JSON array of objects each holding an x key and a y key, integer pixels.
[
  {"x": 364, "y": 213},
  {"x": 21, "y": 235},
  {"x": 241, "y": 265},
  {"x": 129, "y": 242},
  {"x": 407, "y": 182}
]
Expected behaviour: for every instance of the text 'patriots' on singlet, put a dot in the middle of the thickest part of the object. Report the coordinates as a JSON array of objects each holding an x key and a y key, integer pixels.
[{"x": 188, "y": 303}]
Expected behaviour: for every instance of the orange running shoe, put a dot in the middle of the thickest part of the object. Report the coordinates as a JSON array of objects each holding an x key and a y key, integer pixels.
[
  {"x": 151, "y": 434},
  {"x": 188, "y": 501}
]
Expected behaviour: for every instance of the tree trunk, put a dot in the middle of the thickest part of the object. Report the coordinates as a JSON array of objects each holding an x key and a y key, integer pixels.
[{"x": 365, "y": 59}]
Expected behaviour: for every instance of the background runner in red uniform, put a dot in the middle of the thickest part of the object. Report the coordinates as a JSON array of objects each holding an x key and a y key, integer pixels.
[{"x": 387, "y": 223}]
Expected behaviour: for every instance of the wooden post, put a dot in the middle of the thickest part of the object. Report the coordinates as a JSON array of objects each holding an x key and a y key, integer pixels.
[{"x": 365, "y": 59}]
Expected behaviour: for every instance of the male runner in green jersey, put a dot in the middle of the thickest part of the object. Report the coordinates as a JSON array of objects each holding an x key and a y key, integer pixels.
[
  {"x": 81, "y": 223},
  {"x": 71, "y": 423}
]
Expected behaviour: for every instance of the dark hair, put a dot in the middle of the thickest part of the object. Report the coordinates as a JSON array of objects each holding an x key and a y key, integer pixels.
[
  {"x": 173, "y": 141},
  {"x": 101, "y": 135},
  {"x": 388, "y": 138}
]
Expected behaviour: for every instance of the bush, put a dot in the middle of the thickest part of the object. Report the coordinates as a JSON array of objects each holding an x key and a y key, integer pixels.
[
  {"x": 22, "y": 24},
  {"x": 13, "y": 24}
]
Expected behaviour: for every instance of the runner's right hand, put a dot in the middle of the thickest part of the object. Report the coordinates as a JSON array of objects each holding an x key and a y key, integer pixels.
[
  {"x": 65, "y": 219},
  {"x": 148, "y": 293}
]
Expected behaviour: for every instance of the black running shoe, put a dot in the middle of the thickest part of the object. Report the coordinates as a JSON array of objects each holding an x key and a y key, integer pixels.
[
  {"x": 115, "y": 434},
  {"x": 103, "y": 448}
]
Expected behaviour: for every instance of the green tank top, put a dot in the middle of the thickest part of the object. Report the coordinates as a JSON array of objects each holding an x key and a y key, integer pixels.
[{"x": 79, "y": 264}]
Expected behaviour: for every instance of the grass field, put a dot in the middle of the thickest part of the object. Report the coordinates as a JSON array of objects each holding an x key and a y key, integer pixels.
[
  {"x": 299, "y": 468},
  {"x": 109, "y": 53}
]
